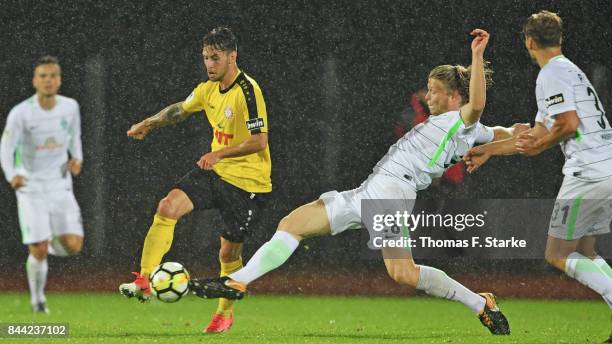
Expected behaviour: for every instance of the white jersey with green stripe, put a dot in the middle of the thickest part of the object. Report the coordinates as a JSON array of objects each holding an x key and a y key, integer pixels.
[
  {"x": 431, "y": 147},
  {"x": 561, "y": 86},
  {"x": 35, "y": 143}
]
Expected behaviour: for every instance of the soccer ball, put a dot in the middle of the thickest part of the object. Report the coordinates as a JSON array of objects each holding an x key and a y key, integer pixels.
[{"x": 169, "y": 282}]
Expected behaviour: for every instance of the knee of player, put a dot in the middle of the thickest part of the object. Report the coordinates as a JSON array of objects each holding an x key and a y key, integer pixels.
[
  {"x": 40, "y": 250},
  {"x": 286, "y": 225},
  {"x": 73, "y": 245},
  {"x": 167, "y": 208},
  {"x": 555, "y": 259},
  {"x": 174, "y": 205}
]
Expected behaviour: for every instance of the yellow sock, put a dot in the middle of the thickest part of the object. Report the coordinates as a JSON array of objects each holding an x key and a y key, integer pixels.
[
  {"x": 226, "y": 307},
  {"x": 157, "y": 243}
]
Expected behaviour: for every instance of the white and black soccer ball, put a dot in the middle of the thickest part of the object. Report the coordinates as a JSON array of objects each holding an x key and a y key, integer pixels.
[{"x": 169, "y": 282}]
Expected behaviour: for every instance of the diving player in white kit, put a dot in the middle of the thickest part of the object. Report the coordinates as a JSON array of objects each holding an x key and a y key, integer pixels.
[
  {"x": 411, "y": 163},
  {"x": 40, "y": 132},
  {"x": 571, "y": 115}
]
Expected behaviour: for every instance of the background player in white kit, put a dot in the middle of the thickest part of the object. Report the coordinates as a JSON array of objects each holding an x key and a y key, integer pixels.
[
  {"x": 571, "y": 115},
  {"x": 39, "y": 134},
  {"x": 411, "y": 163}
]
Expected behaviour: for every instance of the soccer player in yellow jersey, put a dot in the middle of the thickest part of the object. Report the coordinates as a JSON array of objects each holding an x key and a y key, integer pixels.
[
  {"x": 233, "y": 177},
  {"x": 456, "y": 98}
]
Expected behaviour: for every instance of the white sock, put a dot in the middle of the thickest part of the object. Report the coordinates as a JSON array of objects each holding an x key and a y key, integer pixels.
[
  {"x": 37, "y": 278},
  {"x": 435, "y": 282},
  {"x": 57, "y": 249},
  {"x": 270, "y": 256},
  {"x": 601, "y": 263},
  {"x": 587, "y": 272}
]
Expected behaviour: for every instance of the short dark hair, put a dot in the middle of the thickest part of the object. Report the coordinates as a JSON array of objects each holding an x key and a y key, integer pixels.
[
  {"x": 47, "y": 59},
  {"x": 545, "y": 28},
  {"x": 221, "y": 38}
]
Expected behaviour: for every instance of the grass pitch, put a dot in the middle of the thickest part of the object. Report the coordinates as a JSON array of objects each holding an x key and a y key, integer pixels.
[{"x": 109, "y": 318}]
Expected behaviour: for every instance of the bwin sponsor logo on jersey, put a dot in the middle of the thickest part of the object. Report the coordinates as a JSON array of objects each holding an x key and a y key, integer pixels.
[
  {"x": 553, "y": 100},
  {"x": 255, "y": 123}
]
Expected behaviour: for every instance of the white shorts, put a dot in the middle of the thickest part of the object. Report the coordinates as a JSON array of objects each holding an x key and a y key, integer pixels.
[
  {"x": 344, "y": 208},
  {"x": 582, "y": 209},
  {"x": 43, "y": 216}
]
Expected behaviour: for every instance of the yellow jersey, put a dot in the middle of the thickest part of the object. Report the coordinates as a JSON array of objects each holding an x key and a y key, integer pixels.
[{"x": 235, "y": 114}]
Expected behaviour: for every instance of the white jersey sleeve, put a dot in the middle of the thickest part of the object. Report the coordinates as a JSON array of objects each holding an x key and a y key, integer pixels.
[
  {"x": 558, "y": 93},
  {"x": 484, "y": 134},
  {"x": 9, "y": 145},
  {"x": 540, "y": 117},
  {"x": 431, "y": 147},
  {"x": 75, "y": 146}
]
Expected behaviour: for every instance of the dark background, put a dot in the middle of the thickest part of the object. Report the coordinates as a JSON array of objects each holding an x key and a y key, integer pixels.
[{"x": 335, "y": 76}]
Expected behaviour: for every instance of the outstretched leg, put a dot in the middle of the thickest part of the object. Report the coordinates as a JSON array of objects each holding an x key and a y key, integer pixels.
[
  {"x": 403, "y": 270},
  {"x": 306, "y": 221}
]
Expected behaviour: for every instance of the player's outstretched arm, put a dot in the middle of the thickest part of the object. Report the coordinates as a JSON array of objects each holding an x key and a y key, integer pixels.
[
  {"x": 503, "y": 133},
  {"x": 470, "y": 112},
  {"x": 501, "y": 145},
  {"x": 170, "y": 115}
]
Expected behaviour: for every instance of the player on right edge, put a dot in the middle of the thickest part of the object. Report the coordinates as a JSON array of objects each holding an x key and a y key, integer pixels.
[
  {"x": 456, "y": 98},
  {"x": 571, "y": 115}
]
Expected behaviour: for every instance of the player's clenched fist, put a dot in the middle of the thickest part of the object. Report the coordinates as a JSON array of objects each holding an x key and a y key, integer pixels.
[
  {"x": 481, "y": 38},
  {"x": 527, "y": 144},
  {"x": 17, "y": 182},
  {"x": 208, "y": 160},
  {"x": 139, "y": 130},
  {"x": 74, "y": 166}
]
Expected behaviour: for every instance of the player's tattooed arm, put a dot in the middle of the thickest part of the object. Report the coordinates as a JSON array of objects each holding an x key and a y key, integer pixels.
[{"x": 170, "y": 115}]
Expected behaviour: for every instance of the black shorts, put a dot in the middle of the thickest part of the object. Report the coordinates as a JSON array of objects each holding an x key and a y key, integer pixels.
[{"x": 239, "y": 209}]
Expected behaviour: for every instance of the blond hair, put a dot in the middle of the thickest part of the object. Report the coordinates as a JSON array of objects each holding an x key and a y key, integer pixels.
[{"x": 457, "y": 78}]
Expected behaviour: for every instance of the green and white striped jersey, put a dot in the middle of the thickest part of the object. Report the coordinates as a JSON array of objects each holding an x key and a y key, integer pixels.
[
  {"x": 431, "y": 147},
  {"x": 560, "y": 87}
]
